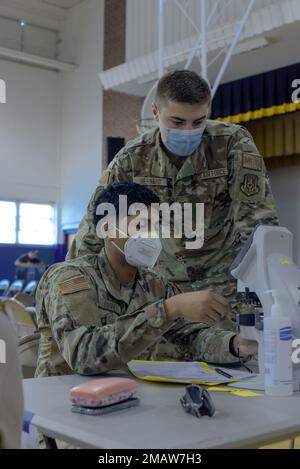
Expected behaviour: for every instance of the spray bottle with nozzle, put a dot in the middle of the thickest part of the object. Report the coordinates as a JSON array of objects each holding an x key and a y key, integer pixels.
[{"x": 278, "y": 350}]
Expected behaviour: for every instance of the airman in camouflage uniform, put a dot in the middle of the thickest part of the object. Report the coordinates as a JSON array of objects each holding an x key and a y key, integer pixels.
[
  {"x": 226, "y": 173},
  {"x": 90, "y": 323}
]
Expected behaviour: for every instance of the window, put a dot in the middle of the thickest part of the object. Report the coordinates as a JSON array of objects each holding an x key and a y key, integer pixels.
[
  {"x": 8, "y": 222},
  {"x": 36, "y": 224},
  {"x": 27, "y": 223}
]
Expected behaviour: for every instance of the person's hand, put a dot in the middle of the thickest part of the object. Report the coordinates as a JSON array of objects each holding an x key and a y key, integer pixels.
[
  {"x": 200, "y": 306},
  {"x": 244, "y": 347}
]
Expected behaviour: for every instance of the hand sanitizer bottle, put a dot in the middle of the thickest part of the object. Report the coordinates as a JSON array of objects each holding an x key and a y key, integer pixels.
[{"x": 278, "y": 350}]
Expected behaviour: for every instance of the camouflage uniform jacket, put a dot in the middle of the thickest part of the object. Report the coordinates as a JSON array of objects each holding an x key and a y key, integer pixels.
[{"x": 90, "y": 323}]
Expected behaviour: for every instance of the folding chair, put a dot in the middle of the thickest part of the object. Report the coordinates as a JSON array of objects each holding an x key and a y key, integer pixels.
[
  {"x": 28, "y": 347},
  {"x": 21, "y": 319},
  {"x": 30, "y": 288},
  {"x": 25, "y": 299},
  {"x": 16, "y": 287},
  {"x": 4, "y": 286}
]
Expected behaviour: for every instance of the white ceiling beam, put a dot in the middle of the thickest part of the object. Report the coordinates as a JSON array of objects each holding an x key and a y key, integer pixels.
[
  {"x": 39, "y": 6},
  {"x": 34, "y": 12},
  {"x": 65, "y": 4},
  {"x": 36, "y": 60}
]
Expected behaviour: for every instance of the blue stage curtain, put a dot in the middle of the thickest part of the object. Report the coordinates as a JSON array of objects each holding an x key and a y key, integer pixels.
[{"x": 264, "y": 95}]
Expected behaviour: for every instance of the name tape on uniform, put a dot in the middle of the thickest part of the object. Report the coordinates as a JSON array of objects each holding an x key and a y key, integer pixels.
[
  {"x": 147, "y": 181},
  {"x": 214, "y": 173}
]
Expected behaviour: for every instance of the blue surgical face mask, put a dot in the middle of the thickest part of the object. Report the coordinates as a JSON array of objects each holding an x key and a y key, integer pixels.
[{"x": 183, "y": 142}]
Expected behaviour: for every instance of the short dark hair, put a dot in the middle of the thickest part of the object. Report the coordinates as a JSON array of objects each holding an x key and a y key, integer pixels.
[
  {"x": 183, "y": 86},
  {"x": 136, "y": 193}
]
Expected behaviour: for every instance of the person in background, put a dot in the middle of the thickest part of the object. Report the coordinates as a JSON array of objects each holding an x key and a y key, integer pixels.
[{"x": 29, "y": 259}]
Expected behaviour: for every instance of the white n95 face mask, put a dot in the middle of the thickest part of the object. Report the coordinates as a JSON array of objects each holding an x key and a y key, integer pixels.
[{"x": 141, "y": 249}]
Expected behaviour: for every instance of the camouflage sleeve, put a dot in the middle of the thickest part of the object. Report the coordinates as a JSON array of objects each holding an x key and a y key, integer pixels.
[
  {"x": 190, "y": 341},
  {"x": 249, "y": 188},
  {"x": 198, "y": 341},
  {"x": 86, "y": 240},
  {"x": 90, "y": 349}
]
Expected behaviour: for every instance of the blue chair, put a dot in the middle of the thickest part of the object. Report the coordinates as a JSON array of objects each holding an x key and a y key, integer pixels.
[
  {"x": 30, "y": 288},
  {"x": 15, "y": 288},
  {"x": 4, "y": 286}
]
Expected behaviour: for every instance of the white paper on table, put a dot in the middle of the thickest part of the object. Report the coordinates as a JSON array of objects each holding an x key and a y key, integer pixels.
[{"x": 185, "y": 372}]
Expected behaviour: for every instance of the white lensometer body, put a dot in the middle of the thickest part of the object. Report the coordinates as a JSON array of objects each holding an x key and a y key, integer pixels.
[{"x": 266, "y": 263}]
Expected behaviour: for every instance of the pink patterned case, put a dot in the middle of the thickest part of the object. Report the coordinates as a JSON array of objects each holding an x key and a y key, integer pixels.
[{"x": 103, "y": 392}]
